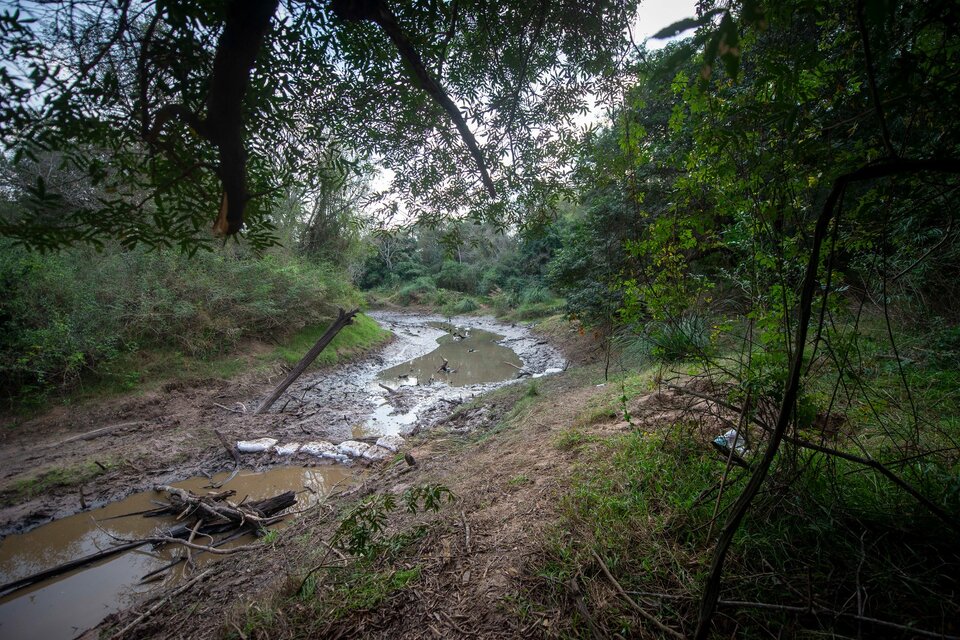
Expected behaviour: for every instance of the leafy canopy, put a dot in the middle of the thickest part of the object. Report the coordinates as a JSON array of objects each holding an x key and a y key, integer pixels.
[{"x": 160, "y": 114}]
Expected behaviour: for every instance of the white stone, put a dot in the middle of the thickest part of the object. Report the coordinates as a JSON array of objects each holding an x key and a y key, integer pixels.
[
  {"x": 287, "y": 449},
  {"x": 256, "y": 446},
  {"x": 391, "y": 442},
  {"x": 376, "y": 452},
  {"x": 352, "y": 448},
  {"x": 317, "y": 448}
]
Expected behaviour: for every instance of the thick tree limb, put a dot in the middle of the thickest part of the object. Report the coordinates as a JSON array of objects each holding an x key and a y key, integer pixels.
[
  {"x": 343, "y": 319},
  {"x": 378, "y": 12},
  {"x": 69, "y": 566},
  {"x": 246, "y": 24}
]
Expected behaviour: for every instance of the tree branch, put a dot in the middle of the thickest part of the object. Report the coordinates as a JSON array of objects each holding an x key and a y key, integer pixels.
[
  {"x": 376, "y": 11},
  {"x": 888, "y": 168}
]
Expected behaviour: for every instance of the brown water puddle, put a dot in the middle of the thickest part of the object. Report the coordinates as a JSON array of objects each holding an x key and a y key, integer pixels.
[
  {"x": 473, "y": 359},
  {"x": 64, "y": 606}
]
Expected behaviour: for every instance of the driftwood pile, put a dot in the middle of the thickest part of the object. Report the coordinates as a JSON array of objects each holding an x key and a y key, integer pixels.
[{"x": 213, "y": 514}]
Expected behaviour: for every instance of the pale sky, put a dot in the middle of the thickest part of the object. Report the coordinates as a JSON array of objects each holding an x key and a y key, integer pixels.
[{"x": 654, "y": 15}]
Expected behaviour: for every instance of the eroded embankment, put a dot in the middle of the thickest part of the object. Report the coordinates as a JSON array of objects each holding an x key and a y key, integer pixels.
[{"x": 72, "y": 459}]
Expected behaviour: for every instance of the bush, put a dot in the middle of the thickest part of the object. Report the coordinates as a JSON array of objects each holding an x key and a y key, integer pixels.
[
  {"x": 536, "y": 295},
  {"x": 416, "y": 291},
  {"x": 457, "y": 276},
  {"x": 675, "y": 340},
  {"x": 465, "y": 306},
  {"x": 63, "y": 314}
]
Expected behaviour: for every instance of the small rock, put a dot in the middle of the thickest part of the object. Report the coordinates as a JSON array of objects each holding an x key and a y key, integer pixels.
[
  {"x": 391, "y": 442},
  {"x": 256, "y": 446},
  {"x": 287, "y": 449},
  {"x": 352, "y": 448}
]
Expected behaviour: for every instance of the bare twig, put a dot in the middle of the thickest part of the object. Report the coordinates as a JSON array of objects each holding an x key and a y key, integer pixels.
[
  {"x": 152, "y": 610},
  {"x": 226, "y": 408},
  {"x": 646, "y": 615}
]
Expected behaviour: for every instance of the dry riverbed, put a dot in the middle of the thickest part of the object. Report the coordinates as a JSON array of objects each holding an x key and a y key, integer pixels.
[{"x": 75, "y": 459}]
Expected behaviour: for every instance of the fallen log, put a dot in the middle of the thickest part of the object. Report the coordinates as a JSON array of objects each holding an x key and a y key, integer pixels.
[
  {"x": 239, "y": 519},
  {"x": 343, "y": 319},
  {"x": 10, "y": 587},
  {"x": 251, "y": 513}
]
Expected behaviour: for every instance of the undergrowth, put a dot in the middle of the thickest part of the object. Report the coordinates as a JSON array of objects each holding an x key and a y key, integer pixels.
[
  {"x": 366, "y": 561},
  {"x": 827, "y": 535},
  {"x": 105, "y": 322}
]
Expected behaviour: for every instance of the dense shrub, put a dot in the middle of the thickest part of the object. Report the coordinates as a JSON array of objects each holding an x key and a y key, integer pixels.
[
  {"x": 416, "y": 291},
  {"x": 65, "y": 313},
  {"x": 457, "y": 276}
]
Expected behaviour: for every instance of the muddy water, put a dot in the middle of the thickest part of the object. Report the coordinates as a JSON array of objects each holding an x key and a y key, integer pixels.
[
  {"x": 472, "y": 355},
  {"x": 67, "y": 605}
]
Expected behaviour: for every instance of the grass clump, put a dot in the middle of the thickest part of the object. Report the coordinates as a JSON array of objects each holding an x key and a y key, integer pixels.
[
  {"x": 72, "y": 476},
  {"x": 361, "y": 334}
]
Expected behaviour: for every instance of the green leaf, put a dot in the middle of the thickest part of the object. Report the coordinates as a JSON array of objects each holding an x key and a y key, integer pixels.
[{"x": 677, "y": 28}]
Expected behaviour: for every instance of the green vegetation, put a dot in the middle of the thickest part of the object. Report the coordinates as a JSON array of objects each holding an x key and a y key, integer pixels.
[
  {"x": 374, "y": 569},
  {"x": 28, "y": 488},
  {"x": 766, "y": 221},
  {"x": 352, "y": 339},
  {"x": 459, "y": 269},
  {"x": 645, "y": 504},
  {"x": 87, "y": 322}
]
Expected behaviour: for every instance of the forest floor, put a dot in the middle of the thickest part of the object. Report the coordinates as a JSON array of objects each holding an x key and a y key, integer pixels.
[{"x": 464, "y": 571}]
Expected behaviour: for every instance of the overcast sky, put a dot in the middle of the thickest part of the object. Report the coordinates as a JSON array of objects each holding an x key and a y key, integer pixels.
[{"x": 654, "y": 15}]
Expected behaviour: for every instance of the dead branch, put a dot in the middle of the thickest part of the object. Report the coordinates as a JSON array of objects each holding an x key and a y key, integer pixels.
[
  {"x": 152, "y": 610},
  {"x": 206, "y": 548},
  {"x": 636, "y": 607},
  {"x": 231, "y": 449},
  {"x": 386, "y": 388},
  {"x": 343, "y": 319},
  {"x": 226, "y": 408},
  {"x": 96, "y": 433},
  {"x": 69, "y": 566}
]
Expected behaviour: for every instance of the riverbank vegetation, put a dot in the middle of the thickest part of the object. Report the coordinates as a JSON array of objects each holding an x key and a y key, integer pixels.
[
  {"x": 466, "y": 268},
  {"x": 760, "y": 234}
]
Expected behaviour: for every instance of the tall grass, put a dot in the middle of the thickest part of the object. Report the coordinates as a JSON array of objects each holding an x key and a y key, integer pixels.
[{"x": 63, "y": 315}]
